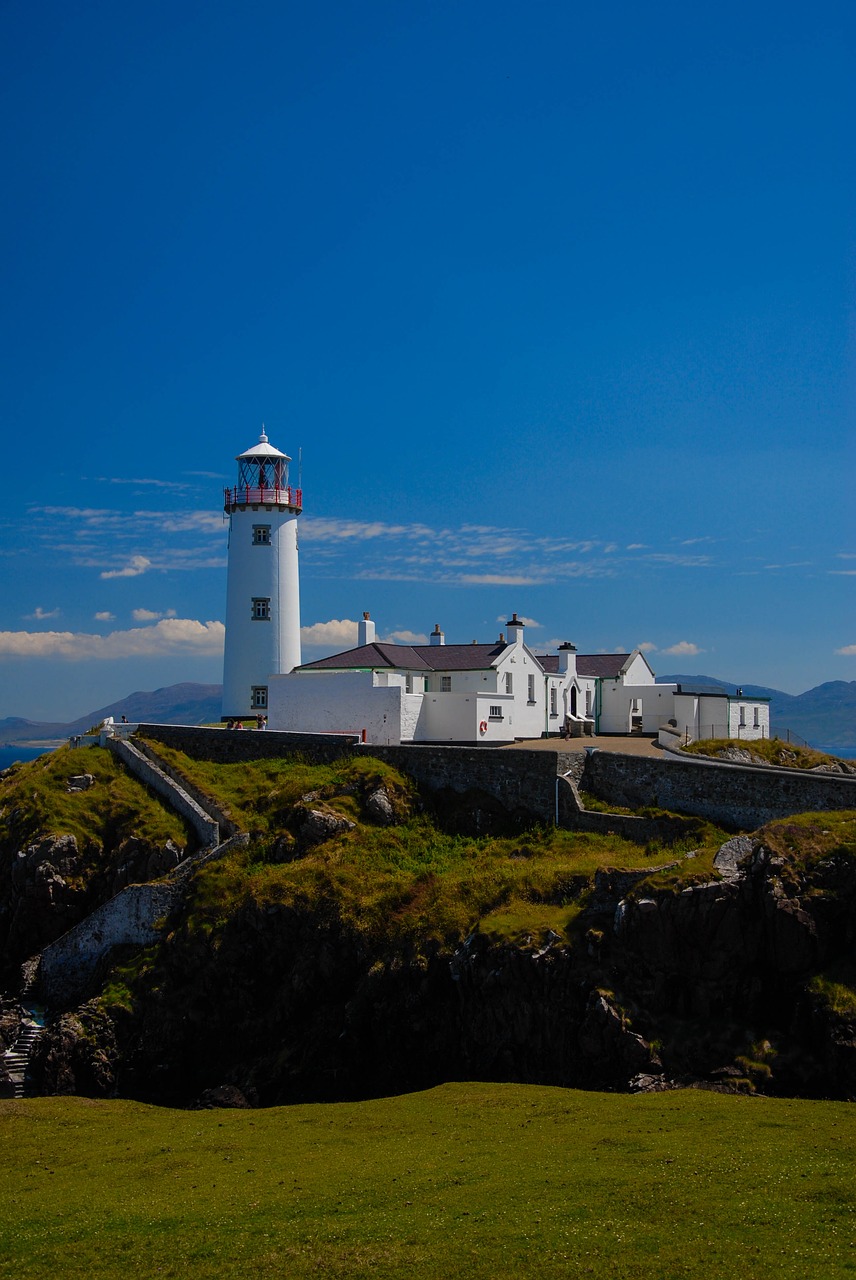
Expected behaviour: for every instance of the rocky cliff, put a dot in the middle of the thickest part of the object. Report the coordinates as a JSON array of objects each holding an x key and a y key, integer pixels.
[{"x": 358, "y": 951}]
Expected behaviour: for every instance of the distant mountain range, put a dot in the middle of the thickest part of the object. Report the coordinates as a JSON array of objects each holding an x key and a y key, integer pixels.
[
  {"x": 176, "y": 704},
  {"x": 825, "y": 716}
]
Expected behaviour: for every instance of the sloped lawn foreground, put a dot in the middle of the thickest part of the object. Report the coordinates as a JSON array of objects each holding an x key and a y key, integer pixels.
[{"x": 467, "y": 1180}]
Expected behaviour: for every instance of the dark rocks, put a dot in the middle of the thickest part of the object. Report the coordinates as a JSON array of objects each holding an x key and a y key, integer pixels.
[
  {"x": 379, "y": 808},
  {"x": 315, "y": 826},
  {"x": 224, "y": 1095},
  {"x": 80, "y": 782},
  {"x": 78, "y": 1054}
]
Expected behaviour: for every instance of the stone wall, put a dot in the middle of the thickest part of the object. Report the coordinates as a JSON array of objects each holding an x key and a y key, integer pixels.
[
  {"x": 228, "y": 745},
  {"x": 206, "y": 828},
  {"x": 67, "y": 965},
  {"x": 525, "y": 782},
  {"x": 736, "y": 796}
]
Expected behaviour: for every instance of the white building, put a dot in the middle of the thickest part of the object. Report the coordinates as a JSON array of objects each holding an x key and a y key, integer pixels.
[
  {"x": 483, "y": 693},
  {"x": 262, "y": 586}
]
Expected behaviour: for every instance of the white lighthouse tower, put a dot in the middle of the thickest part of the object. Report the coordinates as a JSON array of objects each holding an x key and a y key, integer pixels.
[{"x": 262, "y": 585}]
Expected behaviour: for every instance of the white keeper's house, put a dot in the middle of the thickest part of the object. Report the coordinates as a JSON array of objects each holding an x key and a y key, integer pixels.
[{"x": 490, "y": 693}]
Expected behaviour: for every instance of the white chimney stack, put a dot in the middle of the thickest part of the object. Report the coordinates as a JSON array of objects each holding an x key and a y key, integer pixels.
[
  {"x": 365, "y": 630},
  {"x": 568, "y": 658},
  {"x": 437, "y": 636}
]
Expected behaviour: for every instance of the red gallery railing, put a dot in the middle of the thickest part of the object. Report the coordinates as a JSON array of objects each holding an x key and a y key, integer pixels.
[{"x": 244, "y": 496}]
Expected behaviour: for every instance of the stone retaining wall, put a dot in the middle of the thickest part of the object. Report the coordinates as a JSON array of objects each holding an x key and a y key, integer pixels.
[
  {"x": 206, "y": 829},
  {"x": 735, "y": 796},
  {"x": 525, "y": 782},
  {"x": 67, "y": 965}
]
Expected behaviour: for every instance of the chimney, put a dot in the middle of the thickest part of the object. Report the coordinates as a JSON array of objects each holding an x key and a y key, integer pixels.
[
  {"x": 365, "y": 630},
  {"x": 437, "y": 636},
  {"x": 567, "y": 657},
  {"x": 514, "y": 627}
]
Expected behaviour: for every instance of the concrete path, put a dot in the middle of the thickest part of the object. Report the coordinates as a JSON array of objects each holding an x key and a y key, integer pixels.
[{"x": 630, "y": 746}]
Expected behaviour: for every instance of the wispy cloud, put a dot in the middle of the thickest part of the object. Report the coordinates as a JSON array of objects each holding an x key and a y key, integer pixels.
[
  {"x": 849, "y": 651},
  {"x": 39, "y": 614},
  {"x": 527, "y": 622},
  {"x": 105, "y": 616},
  {"x": 647, "y": 646},
  {"x": 170, "y": 636},
  {"x": 137, "y": 565},
  {"x": 139, "y": 480}
]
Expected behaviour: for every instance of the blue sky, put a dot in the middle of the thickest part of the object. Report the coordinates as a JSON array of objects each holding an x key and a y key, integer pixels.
[{"x": 555, "y": 300}]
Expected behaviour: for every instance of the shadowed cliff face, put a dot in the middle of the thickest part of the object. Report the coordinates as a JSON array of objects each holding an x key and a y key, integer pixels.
[{"x": 728, "y": 984}]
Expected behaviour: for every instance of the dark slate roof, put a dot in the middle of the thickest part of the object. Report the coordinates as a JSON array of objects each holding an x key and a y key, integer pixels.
[
  {"x": 411, "y": 657},
  {"x": 703, "y": 690},
  {"x": 605, "y": 665}
]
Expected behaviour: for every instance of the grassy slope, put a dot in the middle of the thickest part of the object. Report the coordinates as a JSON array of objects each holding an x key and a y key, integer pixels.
[
  {"x": 411, "y": 881},
  {"x": 35, "y": 802},
  {"x": 468, "y": 1179},
  {"x": 766, "y": 751}
]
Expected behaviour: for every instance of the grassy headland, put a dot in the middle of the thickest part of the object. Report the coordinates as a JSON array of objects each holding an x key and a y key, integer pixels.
[{"x": 468, "y": 1179}]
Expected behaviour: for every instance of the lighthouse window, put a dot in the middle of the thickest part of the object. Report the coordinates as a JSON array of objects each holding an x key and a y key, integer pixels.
[
  {"x": 261, "y": 535},
  {"x": 259, "y": 696},
  {"x": 261, "y": 608}
]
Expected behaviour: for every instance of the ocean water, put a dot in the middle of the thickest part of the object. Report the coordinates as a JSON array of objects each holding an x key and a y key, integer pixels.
[
  {"x": 843, "y": 753},
  {"x": 11, "y": 755}
]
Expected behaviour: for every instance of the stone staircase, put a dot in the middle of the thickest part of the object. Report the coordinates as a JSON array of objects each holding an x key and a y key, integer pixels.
[{"x": 16, "y": 1060}]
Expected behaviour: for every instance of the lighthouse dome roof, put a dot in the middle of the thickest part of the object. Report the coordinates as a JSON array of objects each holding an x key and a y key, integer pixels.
[{"x": 264, "y": 449}]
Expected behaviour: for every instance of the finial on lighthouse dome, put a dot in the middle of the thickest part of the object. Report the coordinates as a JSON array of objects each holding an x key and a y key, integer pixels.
[{"x": 263, "y": 437}]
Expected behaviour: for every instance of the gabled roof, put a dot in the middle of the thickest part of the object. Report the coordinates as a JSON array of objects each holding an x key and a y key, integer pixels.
[
  {"x": 605, "y": 665},
  {"x": 411, "y": 657}
]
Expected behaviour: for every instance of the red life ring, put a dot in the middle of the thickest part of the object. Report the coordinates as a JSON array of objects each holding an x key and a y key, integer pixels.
[{"x": 483, "y": 727}]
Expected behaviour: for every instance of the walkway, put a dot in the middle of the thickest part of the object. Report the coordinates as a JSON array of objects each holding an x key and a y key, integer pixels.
[{"x": 630, "y": 746}]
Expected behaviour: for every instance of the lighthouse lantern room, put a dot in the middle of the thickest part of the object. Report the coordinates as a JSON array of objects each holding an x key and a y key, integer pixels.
[{"x": 262, "y": 583}]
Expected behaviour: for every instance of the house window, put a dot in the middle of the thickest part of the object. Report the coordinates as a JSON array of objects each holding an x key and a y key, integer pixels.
[
  {"x": 531, "y": 682},
  {"x": 495, "y": 713},
  {"x": 588, "y": 702},
  {"x": 261, "y": 535},
  {"x": 259, "y": 699},
  {"x": 261, "y": 608},
  {"x": 445, "y": 684},
  {"x": 756, "y": 718},
  {"x": 509, "y": 682},
  {"x": 554, "y": 700},
  {"x": 742, "y": 717}
]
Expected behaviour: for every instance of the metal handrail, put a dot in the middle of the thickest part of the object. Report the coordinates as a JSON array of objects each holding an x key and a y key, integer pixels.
[{"x": 244, "y": 495}]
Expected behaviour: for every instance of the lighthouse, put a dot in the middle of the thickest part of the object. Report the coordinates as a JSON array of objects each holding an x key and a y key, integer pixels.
[{"x": 262, "y": 585}]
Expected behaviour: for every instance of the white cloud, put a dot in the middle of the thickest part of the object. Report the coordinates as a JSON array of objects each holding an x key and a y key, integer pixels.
[
  {"x": 683, "y": 649},
  {"x": 105, "y": 616},
  {"x": 169, "y": 636},
  {"x": 849, "y": 651},
  {"x": 338, "y": 633},
  {"x": 39, "y": 614},
  {"x": 138, "y": 565},
  {"x": 148, "y": 615},
  {"x": 158, "y": 484},
  {"x": 619, "y": 648},
  {"x": 406, "y": 637},
  {"x": 647, "y": 646}
]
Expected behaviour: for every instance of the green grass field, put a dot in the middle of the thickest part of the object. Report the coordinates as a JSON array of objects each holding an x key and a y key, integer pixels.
[{"x": 467, "y": 1180}]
